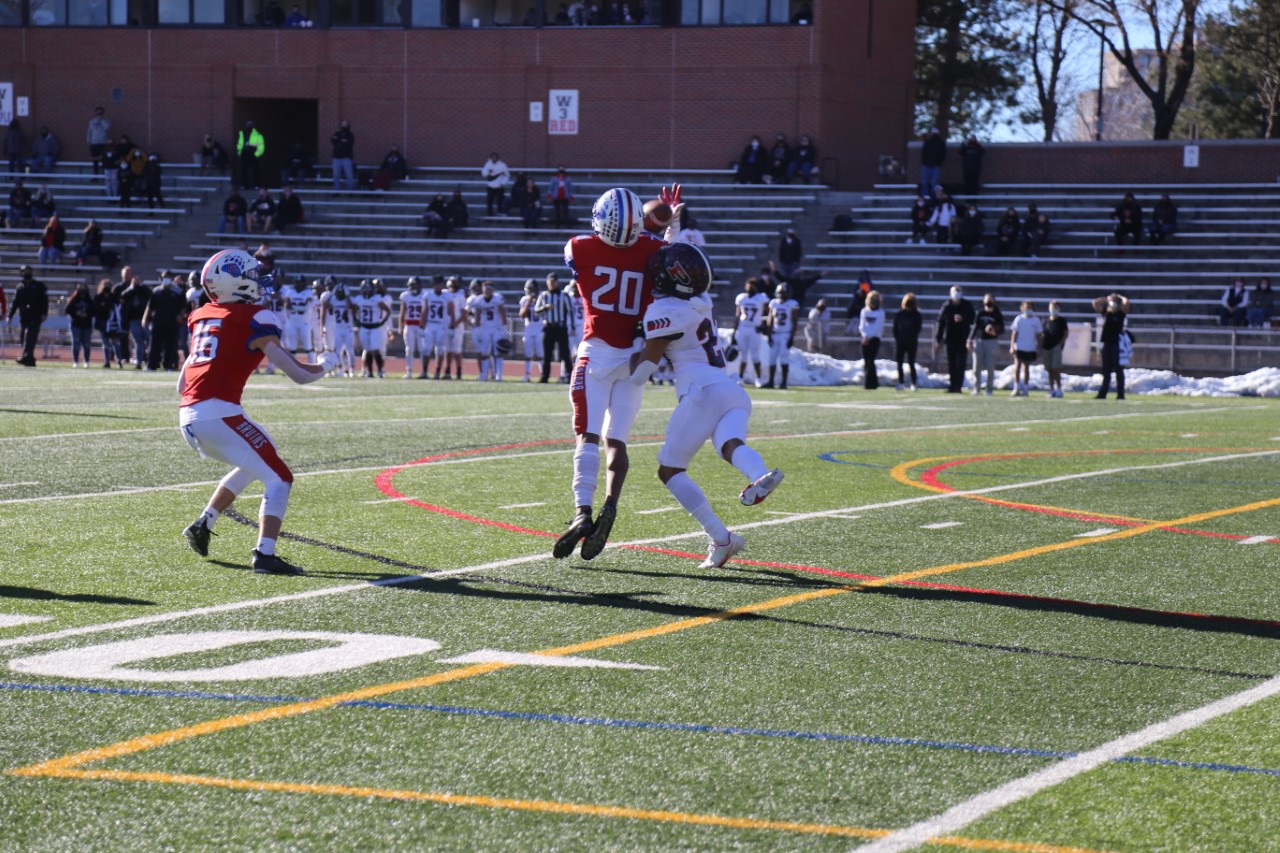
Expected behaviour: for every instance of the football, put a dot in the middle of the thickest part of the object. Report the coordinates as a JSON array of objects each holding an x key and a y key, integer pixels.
[{"x": 657, "y": 215}]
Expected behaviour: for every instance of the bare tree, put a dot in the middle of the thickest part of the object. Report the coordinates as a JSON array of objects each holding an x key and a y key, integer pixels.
[{"x": 1047, "y": 48}]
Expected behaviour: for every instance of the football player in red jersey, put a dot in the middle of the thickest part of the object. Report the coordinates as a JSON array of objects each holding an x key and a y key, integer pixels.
[
  {"x": 609, "y": 269},
  {"x": 229, "y": 337}
]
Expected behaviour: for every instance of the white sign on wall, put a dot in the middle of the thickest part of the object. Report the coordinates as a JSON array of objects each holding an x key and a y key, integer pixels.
[
  {"x": 6, "y": 103},
  {"x": 535, "y": 111},
  {"x": 1191, "y": 157},
  {"x": 563, "y": 120},
  {"x": 24, "y": 106}
]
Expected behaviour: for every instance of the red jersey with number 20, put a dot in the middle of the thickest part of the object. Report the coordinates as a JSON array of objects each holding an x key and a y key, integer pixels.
[
  {"x": 611, "y": 282},
  {"x": 221, "y": 362}
]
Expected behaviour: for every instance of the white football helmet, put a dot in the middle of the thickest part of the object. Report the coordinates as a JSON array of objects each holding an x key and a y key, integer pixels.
[
  {"x": 233, "y": 275},
  {"x": 617, "y": 217}
]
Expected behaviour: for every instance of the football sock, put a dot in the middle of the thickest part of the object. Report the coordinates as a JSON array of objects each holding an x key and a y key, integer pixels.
[
  {"x": 377, "y": 356},
  {"x": 586, "y": 470},
  {"x": 772, "y": 372},
  {"x": 691, "y": 497},
  {"x": 749, "y": 462},
  {"x": 266, "y": 546},
  {"x": 785, "y": 370},
  {"x": 498, "y": 369},
  {"x": 210, "y": 516},
  {"x": 758, "y": 372}
]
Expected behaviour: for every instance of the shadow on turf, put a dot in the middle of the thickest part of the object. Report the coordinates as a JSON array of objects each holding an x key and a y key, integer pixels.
[
  {"x": 72, "y": 414},
  {"x": 33, "y": 594},
  {"x": 1115, "y": 612}
]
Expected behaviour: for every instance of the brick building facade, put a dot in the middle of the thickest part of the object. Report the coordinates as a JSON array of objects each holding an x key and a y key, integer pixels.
[{"x": 649, "y": 97}]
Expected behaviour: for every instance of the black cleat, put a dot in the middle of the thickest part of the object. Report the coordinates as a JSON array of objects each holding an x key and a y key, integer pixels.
[
  {"x": 578, "y": 530},
  {"x": 197, "y": 534},
  {"x": 599, "y": 535},
  {"x": 270, "y": 564}
]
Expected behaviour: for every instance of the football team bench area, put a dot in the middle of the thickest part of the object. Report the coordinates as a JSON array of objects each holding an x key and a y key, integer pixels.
[{"x": 1022, "y": 625}]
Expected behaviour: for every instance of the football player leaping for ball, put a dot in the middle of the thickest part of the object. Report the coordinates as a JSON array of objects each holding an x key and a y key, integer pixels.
[
  {"x": 712, "y": 404},
  {"x": 609, "y": 269},
  {"x": 229, "y": 337}
]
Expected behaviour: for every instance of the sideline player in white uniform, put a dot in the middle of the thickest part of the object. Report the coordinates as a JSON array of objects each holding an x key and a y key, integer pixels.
[
  {"x": 489, "y": 325},
  {"x": 533, "y": 326},
  {"x": 372, "y": 314},
  {"x": 751, "y": 308},
  {"x": 579, "y": 328},
  {"x": 712, "y": 404},
  {"x": 337, "y": 327},
  {"x": 229, "y": 337},
  {"x": 320, "y": 288},
  {"x": 413, "y": 305},
  {"x": 457, "y": 326},
  {"x": 437, "y": 329},
  {"x": 783, "y": 314},
  {"x": 384, "y": 333},
  {"x": 299, "y": 305}
]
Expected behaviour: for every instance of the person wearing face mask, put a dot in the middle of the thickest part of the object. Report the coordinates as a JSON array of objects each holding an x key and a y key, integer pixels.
[
  {"x": 1052, "y": 341},
  {"x": 970, "y": 231},
  {"x": 955, "y": 319},
  {"x": 1024, "y": 344},
  {"x": 983, "y": 339},
  {"x": 1114, "y": 309},
  {"x": 752, "y": 163}
]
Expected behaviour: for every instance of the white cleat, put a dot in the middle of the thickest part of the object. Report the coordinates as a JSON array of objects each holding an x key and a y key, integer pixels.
[
  {"x": 762, "y": 488},
  {"x": 718, "y": 555}
]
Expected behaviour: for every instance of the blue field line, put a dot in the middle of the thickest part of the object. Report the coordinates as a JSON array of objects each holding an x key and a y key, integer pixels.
[{"x": 572, "y": 719}]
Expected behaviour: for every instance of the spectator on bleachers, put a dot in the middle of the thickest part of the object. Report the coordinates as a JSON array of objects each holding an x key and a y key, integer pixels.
[
  {"x": 752, "y": 163},
  {"x": 1234, "y": 304},
  {"x": 907, "y": 323},
  {"x": 984, "y": 339},
  {"x": 799, "y": 281},
  {"x": 971, "y": 154},
  {"x": 921, "y": 213},
  {"x": 803, "y": 15},
  {"x": 1114, "y": 309},
  {"x": 933, "y": 153},
  {"x": 234, "y": 209},
  {"x": 133, "y": 307},
  {"x": 435, "y": 219},
  {"x": 299, "y": 167},
  {"x": 152, "y": 181},
  {"x": 516, "y": 203},
  {"x": 273, "y": 15},
  {"x": 162, "y": 318},
  {"x": 296, "y": 20},
  {"x": 394, "y": 168},
  {"x": 955, "y": 320},
  {"x": 1008, "y": 232},
  {"x": 495, "y": 174},
  {"x": 971, "y": 230},
  {"x": 110, "y": 170},
  {"x": 250, "y": 146},
  {"x": 779, "y": 160},
  {"x": 858, "y": 299},
  {"x": 45, "y": 150},
  {"x": 790, "y": 252},
  {"x": 267, "y": 262},
  {"x": 53, "y": 241},
  {"x": 1261, "y": 304},
  {"x": 90, "y": 243},
  {"x": 43, "y": 205},
  {"x": 1128, "y": 218},
  {"x": 456, "y": 210},
  {"x": 1164, "y": 219},
  {"x": 1035, "y": 231},
  {"x": 531, "y": 212},
  {"x": 98, "y": 136},
  {"x": 124, "y": 183},
  {"x": 942, "y": 222},
  {"x": 870, "y": 330},
  {"x": 31, "y": 304},
  {"x": 19, "y": 205},
  {"x": 692, "y": 234},
  {"x": 213, "y": 157},
  {"x": 562, "y": 18},
  {"x": 560, "y": 194},
  {"x": 1055, "y": 336},
  {"x": 15, "y": 146},
  {"x": 106, "y": 319},
  {"x": 804, "y": 161},
  {"x": 289, "y": 210},
  {"x": 815, "y": 332},
  {"x": 262, "y": 210},
  {"x": 79, "y": 310}
]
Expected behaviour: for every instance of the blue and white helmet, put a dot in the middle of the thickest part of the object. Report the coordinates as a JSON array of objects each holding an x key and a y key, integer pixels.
[
  {"x": 234, "y": 275},
  {"x": 617, "y": 217}
]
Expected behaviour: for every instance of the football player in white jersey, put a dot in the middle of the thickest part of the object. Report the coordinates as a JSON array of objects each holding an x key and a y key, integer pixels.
[
  {"x": 337, "y": 327},
  {"x": 299, "y": 304},
  {"x": 712, "y": 405},
  {"x": 783, "y": 314},
  {"x": 457, "y": 326},
  {"x": 751, "y": 308},
  {"x": 489, "y": 320},
  {"x": 317, "y": 313},
  {"x": 372, "y": 314},
  {"x": 413, "y": 304},
  {"x": 380, "y": 288},
  {"x": 437, "y": 328},
  {"x": 533, "y": 326}
]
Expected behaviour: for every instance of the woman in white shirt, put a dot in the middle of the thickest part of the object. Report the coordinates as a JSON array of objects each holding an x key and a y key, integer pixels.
[
  {"x": 943, "y": 218},
  {"x": 871, "y": 328}
]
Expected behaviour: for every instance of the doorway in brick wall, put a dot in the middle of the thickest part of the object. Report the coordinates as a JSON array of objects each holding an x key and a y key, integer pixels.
[{"x": 283, "y": 123}]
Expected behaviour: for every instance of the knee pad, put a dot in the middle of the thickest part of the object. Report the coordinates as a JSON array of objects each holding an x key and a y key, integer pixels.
[{"x": 275, "y": 499}]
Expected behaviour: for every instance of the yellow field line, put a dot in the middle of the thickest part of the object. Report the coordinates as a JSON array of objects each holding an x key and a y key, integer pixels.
[{"x": 552, "y": 807}]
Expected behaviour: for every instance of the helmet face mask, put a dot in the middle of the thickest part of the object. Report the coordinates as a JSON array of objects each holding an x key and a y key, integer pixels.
[
  {"x": 617, "y": 217},
  {"x": 682, "y": 270},
  {"x": 234, "y": 275}
]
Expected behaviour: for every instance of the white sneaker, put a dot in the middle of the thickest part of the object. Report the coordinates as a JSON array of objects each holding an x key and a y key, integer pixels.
[
  {"x": 762, "y": 488},
  {"x": 718, "y": 555}
]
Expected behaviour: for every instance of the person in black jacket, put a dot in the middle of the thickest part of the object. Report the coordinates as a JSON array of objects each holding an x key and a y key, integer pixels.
[
  {"x": 151, "y": 181},
  {"x": 921, "y": 213},
  {"x": 1128, "y": 219},
  {"x": 162, "y": 317},
  {"x": 1164, "y": 219},
  {"x": 798, "y": 281},
  {"x": 752, "y": 163},
  {"x": 970, "y": 231},
  {"x": 955, "y": 319},
  {"x": 790, "y": 251},
  {"x": 971, "y": 154},
  {"x": 1035, "y": 231},
  {"x": 933, "y": 153},
  {"x": 31, "y": 304},
  {"x": 1055, "y": 335},
  {"x": 106, "y": 319},
  {"x": 984, "y": 341},
  {"x": 906, "y": 337},
  {"x": 79, "y": 309},
  {"x": 288, "y": 210},
  {"x": 1008, "y": 231},
  {"x": 1114, "y": 309}
]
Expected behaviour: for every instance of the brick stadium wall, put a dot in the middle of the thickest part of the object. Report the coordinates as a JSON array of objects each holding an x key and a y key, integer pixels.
[
  {"x": 649, "y": 98},
  {"x": 1221, "y": 161}
]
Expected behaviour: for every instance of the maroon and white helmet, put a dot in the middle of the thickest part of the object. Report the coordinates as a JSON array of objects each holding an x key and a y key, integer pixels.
[
  {"x": 233, "y": 275},
  {"x": 617, "y": 217}
]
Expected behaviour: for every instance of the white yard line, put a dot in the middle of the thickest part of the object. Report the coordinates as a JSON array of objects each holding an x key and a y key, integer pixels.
[
  {"x": 1255, "y": 540},
  {"x": 962, "y": 814},
  {"x": 1101, "y": 531},
  {"x": 941, "y": 525},
  {"x": 656, "y": 511},
  {"x": 523, "y": 506},
  {"x": 8, "y": 620}
]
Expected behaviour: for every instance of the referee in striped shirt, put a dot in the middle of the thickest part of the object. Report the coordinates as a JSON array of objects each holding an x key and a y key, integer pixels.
[{"x": 556, "y": 309}]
